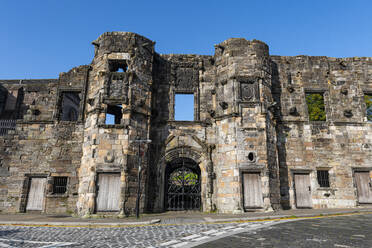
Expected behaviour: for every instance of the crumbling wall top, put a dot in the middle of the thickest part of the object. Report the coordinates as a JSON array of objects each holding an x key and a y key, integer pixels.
[{"x": 121, "y": 42}]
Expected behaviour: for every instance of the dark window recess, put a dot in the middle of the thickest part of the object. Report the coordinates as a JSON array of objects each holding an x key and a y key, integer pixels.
[
  {"x": 323, "y": 178},
  {"x": 10, "y": 103},
  {"x": 113, "y": 114},
  {"x": 59, "y": 185},
  {"x": 251, "y": 157},
  {"x": 119, "y": 65},
  {"x": 368, "y": 101},
  {"x": 184, "y": 107},
  {"x": 70, "y": 106},
  {"x": 315, "y": 106}
]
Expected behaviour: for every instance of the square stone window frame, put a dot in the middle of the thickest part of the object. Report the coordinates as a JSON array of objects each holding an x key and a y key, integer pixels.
[
  {"x": 366, "y": 92},
  {"x": 50, "y": 186},
  {"x": 58, "y": 108},
  {"x": 106, "y": 103},
  {"x": 195, "y": 91},
  {"x": 325, "y": 93},
  {"x": 330, "y": 177}
]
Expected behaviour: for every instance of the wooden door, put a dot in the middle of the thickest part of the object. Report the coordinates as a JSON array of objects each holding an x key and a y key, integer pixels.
[
  {"x": 108, "y": 192},
  {"x": 363, "y": 183},
  {"x": 303, "y": 190},
  {"x": 35, "y": 198},
  {"x": 252, "y": 190}
]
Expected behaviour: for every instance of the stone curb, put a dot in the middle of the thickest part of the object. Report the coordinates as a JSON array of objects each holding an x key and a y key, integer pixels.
[
  {"x": 273, "y": 217},
  {"x": 191, "y": 220},
  {"x": 79, "y": 224}
]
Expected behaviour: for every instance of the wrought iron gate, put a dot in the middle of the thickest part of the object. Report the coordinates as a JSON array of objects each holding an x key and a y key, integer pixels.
[{"x": 183, "y": 188}]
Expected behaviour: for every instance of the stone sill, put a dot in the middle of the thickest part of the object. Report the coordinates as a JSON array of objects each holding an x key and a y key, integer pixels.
[
  {"x": 117, "y": 126},
  {"x": 325, "y": 123},
  {"x": 188, "y": 123},
  {"x": 57, "y": 196},
  {"x": 326, "y": 189}
]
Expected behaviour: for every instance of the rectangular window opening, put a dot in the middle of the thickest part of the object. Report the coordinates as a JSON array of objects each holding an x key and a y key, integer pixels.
[
  {"x": 368, "y": 101},
  {"x": 59, "y": 185},
  {"x": 184, "y": 107},
  {"x": 315, "y": 106},
  {"x": 113, "y": 115},
  {"x": 118, "y": 65},
  {"x": 323, "y": 178},
  {"x": 70, "y": 106}
]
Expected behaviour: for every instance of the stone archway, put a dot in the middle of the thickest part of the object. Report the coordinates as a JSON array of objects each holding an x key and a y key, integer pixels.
[
  {"x": 173, "y": 155},
  {"x": 182, "y": 185}
]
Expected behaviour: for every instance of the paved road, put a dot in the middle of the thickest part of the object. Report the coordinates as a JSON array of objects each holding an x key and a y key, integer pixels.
[
  {"x": 335, "y": 232},
  {"x": 144, "y": 236},
  {"x": 346, "y": 231}
]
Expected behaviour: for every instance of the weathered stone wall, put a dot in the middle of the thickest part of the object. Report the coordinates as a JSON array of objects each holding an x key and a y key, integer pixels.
[
  {"x": 341, "y": 144},
  {"x": 250, "y": 116},
  {"x": 39, "y": 147}
]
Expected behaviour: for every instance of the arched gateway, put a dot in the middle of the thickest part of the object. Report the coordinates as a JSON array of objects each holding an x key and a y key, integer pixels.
[{"x": 182, "y": 185}]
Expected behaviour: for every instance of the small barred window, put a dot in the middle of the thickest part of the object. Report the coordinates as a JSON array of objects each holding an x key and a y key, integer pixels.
[
  {"x": 59, "y": 185},
  {"x": 323, "y": 178}
]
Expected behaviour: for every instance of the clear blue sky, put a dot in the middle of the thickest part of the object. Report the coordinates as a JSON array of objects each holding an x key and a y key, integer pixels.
[{"x": 39, "y": 39}]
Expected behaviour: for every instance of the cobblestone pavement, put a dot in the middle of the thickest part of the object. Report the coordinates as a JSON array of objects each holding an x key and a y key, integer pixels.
[
  {"x": 342, "y": 231},
  {"x": 185, "y": 235},
  {"x": 141, "y": 236},
  {"x": 335, "y": 232}
]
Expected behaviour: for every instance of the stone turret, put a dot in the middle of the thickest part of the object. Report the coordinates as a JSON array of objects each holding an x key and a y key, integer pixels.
[{"x": 243, "y": 94}]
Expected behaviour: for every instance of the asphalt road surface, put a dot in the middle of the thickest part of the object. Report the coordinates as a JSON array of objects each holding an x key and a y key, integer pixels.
[{"x": 335, "y": 232}]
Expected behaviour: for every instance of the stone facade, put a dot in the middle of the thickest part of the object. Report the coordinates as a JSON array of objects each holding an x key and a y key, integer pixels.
[{"x": 250, "y": 121}]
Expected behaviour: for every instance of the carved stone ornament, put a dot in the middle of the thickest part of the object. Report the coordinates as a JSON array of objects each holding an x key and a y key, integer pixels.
[
  {"x": 248, "y": 91},
  {"x": 224, "y": 105},
  {"x": 109, "y": 158},
  {"x": 290, "y": 89},
  {"x": 348, "y": 113},
  {"x": 344, "y": 91},
  {"x": 211, "y": 112}
]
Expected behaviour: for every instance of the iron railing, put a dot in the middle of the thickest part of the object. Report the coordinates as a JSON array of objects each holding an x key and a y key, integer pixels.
[{"x": 6, "y": 125}]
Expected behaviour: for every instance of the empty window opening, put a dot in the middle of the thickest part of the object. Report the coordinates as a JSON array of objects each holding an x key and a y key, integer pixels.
[
  {"x": 368, "y": 101},
  {"x": 184, "y": 107},
  {"x": 59, "y": 185},
  {"x": 118, "y": 65},
  {"x": 315, "y": 106},
  {"x": 251, "y": 157},
  {"x": 323, "y": 178},
  {"x": 70, "y": 106},
  {"x": 113, "y": 114}
]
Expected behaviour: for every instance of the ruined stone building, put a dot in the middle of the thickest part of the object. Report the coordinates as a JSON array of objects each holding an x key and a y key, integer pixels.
[{"x": 71, "y": 145}]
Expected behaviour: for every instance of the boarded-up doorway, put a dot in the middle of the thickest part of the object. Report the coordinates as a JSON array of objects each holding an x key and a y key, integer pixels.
[
  {"x": 364, "y": 187},
  {"x": 303, "y": 190},
  {"x": 108, "y": 192},
  {"x": 35, "y": 199},
  {"x": 252, "y": 190}
]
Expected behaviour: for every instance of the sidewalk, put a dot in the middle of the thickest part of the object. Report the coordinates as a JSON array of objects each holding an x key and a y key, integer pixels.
[{"x": 165, "y": 218}]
